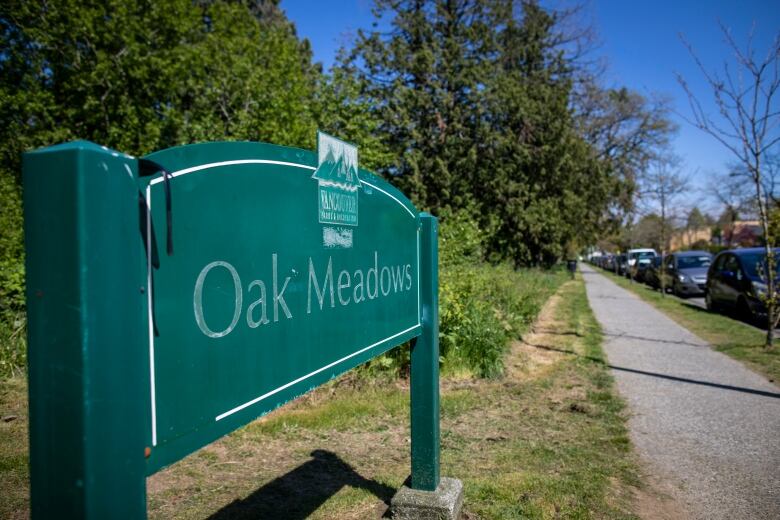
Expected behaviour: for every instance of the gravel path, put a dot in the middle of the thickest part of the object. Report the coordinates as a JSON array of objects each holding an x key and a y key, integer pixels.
[{"x": 705, "y": 426}]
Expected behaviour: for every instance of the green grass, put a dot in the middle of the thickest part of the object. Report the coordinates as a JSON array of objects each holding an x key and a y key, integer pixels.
[
  {"x": 547, "y": 440},
  {"x": 14, "y": 472},
  {"x": 570, "y": 443},
  {"x": 13, "y": 344},
  {"x": 734, "y": 338}
]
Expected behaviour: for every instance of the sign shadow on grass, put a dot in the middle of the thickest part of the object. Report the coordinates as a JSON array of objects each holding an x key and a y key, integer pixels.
[{"x": 298, "y": 493}]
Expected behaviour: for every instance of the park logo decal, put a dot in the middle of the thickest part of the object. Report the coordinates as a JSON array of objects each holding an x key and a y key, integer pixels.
[{"x": 337, "y": 174}]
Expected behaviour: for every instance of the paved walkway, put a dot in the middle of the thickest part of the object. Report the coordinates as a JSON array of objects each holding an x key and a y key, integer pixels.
[{"x": 703, "y": 424}]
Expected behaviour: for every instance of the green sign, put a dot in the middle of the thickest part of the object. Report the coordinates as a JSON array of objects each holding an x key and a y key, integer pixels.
[
  {"x": 262, "y": 301},
  {"x": 282, "y": 269}
]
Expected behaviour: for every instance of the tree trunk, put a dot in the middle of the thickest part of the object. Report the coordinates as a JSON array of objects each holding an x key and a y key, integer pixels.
[
  {"x": 770, "y": 264},
  {"x": 663, "y": 243}
]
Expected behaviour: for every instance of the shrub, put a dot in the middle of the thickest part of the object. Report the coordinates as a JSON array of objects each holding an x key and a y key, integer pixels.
[
  {"x": 481, "y": 306},
  {"x": 13, "y": 333}
]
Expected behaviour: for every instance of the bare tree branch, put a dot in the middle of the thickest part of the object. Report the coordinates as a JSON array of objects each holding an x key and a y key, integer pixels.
[{"x": 747, "y": 104}]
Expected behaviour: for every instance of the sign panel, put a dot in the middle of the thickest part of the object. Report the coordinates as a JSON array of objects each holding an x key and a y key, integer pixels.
[{"x": 288, "y": 268}]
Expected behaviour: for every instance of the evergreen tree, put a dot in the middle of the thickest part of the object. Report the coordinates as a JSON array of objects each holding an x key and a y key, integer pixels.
[
  {"x": 474, "y": 100},
  {"x": 424, "y": 83},
  {"x": 543, "y": 184},
  {"x": 343, "y": 110}
]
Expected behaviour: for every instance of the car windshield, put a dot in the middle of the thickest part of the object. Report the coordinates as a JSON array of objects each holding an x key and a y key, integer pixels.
[
  {"x": 687, "y": 262},
  {"x": 643, "y": 255},
  {"x": 755, "y": 264}
]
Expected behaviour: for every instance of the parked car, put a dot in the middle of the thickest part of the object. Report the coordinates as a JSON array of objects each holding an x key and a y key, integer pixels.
[
  {"x": 736, "y": 282},
  {"x": 685, "y": 273},
  {"x": 652, "y": 275},
  {"x": 641, "y": 269},
  {"x": 609, "y": 262},
  {"x": 639, "y": 258},
  {"x": 621, "y": 265}
]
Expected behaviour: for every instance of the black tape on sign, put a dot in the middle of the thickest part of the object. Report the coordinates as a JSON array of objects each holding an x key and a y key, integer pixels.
[{"x": 147, "y": 168}]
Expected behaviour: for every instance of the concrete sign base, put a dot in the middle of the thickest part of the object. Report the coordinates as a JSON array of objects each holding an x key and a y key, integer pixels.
[{"x": 443, "y": 504}]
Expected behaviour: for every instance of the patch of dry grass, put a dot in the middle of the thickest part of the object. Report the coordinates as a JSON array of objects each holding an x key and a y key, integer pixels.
[{"x": 14, "y": 472}]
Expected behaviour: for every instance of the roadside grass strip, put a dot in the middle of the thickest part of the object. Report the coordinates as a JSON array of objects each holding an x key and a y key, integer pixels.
[
  {"x": 734, "y": 338},
  {"x": 546, "y": 440},
  {"x": 14, "y": 460}
]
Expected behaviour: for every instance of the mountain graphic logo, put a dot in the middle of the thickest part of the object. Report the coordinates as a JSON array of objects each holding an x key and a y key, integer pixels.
[
  {"x": 338, "y": 162},
  {"x": 337, "y": 175}
]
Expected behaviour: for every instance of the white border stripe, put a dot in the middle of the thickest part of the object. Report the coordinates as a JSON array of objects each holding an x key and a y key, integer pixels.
[
  {"x": 389, "y": 195},
  {"x": 272, "y": 392},
  {"x": 419, "y": 290},
  {"x": 185, "y": 171},
  {"x": 151, "y": 316},
  {"x": 202, "y": 167}
]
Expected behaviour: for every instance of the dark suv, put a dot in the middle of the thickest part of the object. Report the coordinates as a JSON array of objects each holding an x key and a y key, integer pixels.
[{"x": 736, "y": 281}]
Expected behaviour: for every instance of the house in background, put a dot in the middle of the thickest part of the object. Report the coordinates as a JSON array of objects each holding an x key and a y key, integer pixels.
[
  {"x": 685, "y": 238},
  {"x": 740, "y": 233}
]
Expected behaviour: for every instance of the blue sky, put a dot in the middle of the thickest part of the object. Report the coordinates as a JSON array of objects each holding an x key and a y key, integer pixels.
[{"x": 639, "y": 40}]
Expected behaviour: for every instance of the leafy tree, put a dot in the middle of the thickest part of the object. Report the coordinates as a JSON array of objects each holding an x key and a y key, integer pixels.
[
  {"x": 626, "y": 129},
  {"x": 244, "y": 77},
  {"x": 139, "y": 76},
  {"x": 647, "y": 232},
  {"x": 696, "y": 219}
]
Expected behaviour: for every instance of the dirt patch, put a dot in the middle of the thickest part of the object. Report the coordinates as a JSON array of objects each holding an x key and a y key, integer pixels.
[
  {"x": 544, "y": 345},
  {"x": 655, "y": 502},
  {"x": 253, "y": 472}
]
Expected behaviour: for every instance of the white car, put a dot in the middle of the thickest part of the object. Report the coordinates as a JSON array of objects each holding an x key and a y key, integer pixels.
[{"x": 643, "y": 256}]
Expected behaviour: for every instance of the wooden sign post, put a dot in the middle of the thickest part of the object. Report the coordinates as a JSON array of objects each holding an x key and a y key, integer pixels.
[{"x": 175, "y": 298}]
